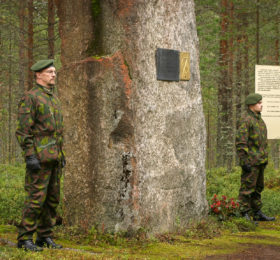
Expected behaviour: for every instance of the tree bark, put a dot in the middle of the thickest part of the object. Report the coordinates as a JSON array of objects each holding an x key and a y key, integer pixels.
[
  {"x": 30, "y": 43},
  {"x": 224, "y": 89},
  {"x": 230, "y": 147},
  {"x": 246, "y": 60},
  {"x": 21, "y": 16},
  {"x": 10, "y": 95},
  {"x": 242, "y": 64},
  {"x": 2, "y": 143},
  {"x": 51, "y": 22},
  {"x": 136, "y": 152},
  {"x": 257, "y": 32},
  {"x": 238, "y": 89}
]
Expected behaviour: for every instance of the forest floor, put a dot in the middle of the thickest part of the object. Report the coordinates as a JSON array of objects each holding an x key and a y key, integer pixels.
[{"x": 262, "y": 243}]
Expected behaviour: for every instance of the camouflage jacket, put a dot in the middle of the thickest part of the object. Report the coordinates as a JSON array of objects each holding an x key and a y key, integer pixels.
[
  {"x": 40, "y": 124},
  {"x": 251, "y": 139}
]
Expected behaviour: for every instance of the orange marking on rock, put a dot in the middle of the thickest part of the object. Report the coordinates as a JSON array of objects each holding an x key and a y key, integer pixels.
[
  {"x": 124, "y": 7},
  {"x": 127, "y": 81}
]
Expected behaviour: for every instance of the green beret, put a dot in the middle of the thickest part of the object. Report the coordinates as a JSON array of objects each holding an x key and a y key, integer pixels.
[
  {"x": 42, "y": 64},
  {"x": 253, "y": 99}
]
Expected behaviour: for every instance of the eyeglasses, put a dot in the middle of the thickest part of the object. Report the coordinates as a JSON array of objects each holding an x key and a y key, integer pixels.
[{"x": 50, "y": 72}]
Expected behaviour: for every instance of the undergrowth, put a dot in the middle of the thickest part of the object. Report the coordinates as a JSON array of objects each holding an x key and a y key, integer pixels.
[
  {"x": 12, "y": 193},
  {"x": 219, "y": 182}
]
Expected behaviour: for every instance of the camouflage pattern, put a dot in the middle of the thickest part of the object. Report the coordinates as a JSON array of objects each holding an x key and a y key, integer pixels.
[
  {"x": 251, "y": 140},
  {"x": 251, "y": 146},
  {"x": 40, "y": 133},
  {"x": 40, "y": 124},
  {"x": 42, "y": 198},
  {"x": 252, "y": 184}
]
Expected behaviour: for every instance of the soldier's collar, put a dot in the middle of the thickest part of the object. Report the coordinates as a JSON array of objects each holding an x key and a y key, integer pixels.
[
  {"x": 46, "y": 90},
  {"x": 256, "y": 115}
]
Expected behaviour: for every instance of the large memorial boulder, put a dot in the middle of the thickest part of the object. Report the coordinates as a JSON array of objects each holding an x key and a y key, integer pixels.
[{"x": 135, "y": 145}]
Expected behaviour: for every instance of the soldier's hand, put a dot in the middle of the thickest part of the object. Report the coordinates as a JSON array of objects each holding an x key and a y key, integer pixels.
[
  {"x": 246, "y": 167},
  {"x": 63, "y": 162},
  {"x": 32, "y": 163}
]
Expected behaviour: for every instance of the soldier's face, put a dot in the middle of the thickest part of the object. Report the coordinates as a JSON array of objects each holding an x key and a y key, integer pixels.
[
  {"x": 257, "y": 108},
  {"x": 46, "y": 77}
]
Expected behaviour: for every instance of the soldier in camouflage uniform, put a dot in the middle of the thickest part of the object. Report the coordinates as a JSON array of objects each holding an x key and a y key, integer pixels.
[
  {"x": 39, "y": 133},
  {"x": 251, "y": 145}
]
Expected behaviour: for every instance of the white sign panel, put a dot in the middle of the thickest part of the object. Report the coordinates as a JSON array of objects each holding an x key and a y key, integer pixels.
[{"x": 267, "y": 83}]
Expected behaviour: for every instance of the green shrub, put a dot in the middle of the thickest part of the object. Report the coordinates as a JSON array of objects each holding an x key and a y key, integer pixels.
[
  {"x": 205, "y": 228},
  {"x": 271, "y": 202},
  {"x": 11, "y": 192},
  {"x": 221, "y": 182},
  {"x": 243, "y": 225}
]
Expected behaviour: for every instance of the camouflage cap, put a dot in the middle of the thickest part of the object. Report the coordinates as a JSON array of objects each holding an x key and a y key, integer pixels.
[
  {"x": 42, "y": 64},
  {"x": 253, "y": 99}
]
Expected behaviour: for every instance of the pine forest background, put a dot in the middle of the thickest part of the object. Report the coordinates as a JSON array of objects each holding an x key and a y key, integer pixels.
[{"x": 234, "y": 36}]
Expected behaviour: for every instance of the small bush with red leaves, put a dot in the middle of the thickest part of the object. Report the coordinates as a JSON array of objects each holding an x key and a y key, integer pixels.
[{"x": 224, "y": 208}]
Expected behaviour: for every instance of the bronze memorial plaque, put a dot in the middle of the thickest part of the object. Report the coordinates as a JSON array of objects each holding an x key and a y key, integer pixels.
[
  {"x": 185, "y": 66},
  {"x": 167, "y": 63}
]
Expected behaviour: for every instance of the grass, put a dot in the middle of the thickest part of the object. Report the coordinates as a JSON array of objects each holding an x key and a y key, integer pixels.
[
  {"x": 207, "y": 237},
  {"x": 220, "y": 182},
  {"x": 12, "y": 193}
]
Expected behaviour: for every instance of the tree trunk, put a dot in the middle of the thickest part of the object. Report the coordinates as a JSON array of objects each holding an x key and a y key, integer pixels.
[
  {"x": 21, "y": 16},
  {"x": 136, "y": 151},
  {"x": 224, "y": 91},
  {"x": 242, "y": 66},
  {"x": 238, "y": 88},
  {"x": 51, "y": 22},
  {"x": 30, "y": 43},
  {"x": 1, "y": 103},
  {"x": 230, "y": 147},
  {"x": 246, "y": 59},
  {"x": 257, "y": 32},
  {"x": 10, "y": 95}
]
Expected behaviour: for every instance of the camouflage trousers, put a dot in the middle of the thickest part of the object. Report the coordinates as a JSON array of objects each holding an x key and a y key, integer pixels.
[
  {"x": 252, "y": 185},
  {"x": 42, "y": 198}
]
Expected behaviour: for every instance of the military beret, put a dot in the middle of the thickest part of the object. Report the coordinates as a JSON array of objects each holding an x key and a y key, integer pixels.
[
  {"x": 253, "y": 99},
  {"x": 42, "y": 64}
]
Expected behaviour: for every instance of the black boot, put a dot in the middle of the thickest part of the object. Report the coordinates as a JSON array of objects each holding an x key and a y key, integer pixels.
[
  {"x": 260, "y": 216},
  {"x": 248, "y": 218},
  {"x": 47, "y": 241},
  {"x": 28, "y": 245}
]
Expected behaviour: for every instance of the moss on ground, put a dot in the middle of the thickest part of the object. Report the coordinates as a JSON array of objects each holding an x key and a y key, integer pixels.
[{"x": 169, "y": 246}]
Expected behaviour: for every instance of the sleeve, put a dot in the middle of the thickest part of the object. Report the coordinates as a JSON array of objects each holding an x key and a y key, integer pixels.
[
  {"x": 241, "y": 143},
  {"x": 25, "y": 123}
]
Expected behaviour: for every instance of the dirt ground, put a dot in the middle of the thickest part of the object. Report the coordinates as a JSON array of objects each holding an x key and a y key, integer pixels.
[{"x": 254, "y": 252}]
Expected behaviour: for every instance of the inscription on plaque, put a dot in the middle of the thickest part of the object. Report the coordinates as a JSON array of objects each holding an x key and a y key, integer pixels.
[
  {"x": 167, "y": 62},
  {"x": 185, "y": 66},
  {"x": 268, "y": 85}
]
